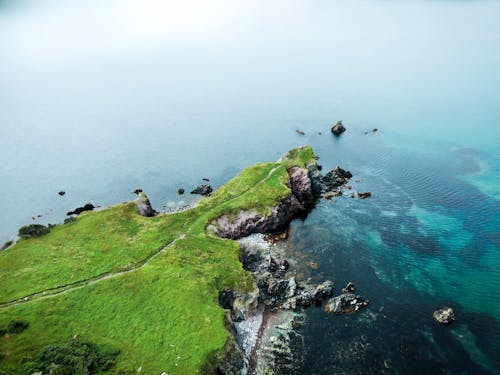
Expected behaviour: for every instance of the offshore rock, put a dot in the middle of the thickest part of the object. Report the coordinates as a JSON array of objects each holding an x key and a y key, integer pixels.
[
  {"x": 444, "y": 316},
  {"x": 338, "y": 128},
  {"x": 349, "y": 288},
  {"x": 364, "y": 195},
  {"x": 335, "y": 178},
  {"x": 310, "y": 296},
  {"x": 345, "y": 303},
  {"x": 202, "y": 190}
]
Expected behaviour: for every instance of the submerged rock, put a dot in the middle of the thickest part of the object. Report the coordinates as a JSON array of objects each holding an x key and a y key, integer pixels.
[
  {"x": 364, "y": 195},
  {"x": 180, "y": 191},
  {"x": 444, "y": 316},
  {"x": 300, "y": 132},
  {"x": 345, "y": 303},
  {"x": 338, "y": 128},
  {"x": 61, "y": 193},
  {"x": 202, "y": 190}
]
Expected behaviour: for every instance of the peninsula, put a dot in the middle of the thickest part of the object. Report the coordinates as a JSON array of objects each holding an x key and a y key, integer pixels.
[{"x": 142, "y": 293}]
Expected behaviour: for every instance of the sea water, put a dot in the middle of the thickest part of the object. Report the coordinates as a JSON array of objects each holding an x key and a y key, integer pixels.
[{"x": 98, "y": 98}]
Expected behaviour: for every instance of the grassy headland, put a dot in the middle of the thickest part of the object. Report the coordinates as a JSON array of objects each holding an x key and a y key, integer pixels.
[{"x": 147, "y": 286}]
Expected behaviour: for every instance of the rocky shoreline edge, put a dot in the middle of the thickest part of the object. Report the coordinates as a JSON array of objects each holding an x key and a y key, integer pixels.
[{"x": 264, "y": 322}]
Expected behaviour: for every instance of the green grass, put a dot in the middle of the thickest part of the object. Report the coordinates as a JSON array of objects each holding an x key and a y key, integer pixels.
[{"x": 163, "y": 313}]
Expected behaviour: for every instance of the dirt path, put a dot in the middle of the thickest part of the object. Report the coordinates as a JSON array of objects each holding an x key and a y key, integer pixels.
[{"x": 54, "y": 292}]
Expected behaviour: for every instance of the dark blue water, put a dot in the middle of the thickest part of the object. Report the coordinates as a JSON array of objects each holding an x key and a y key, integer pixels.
[{"x": 98, "y": 98}]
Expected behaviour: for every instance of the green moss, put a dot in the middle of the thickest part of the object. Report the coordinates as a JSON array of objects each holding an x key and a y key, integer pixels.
[{"x": 148, "y": 286}]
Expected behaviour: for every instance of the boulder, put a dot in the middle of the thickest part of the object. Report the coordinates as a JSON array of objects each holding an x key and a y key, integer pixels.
[
  {"x": 79, "y": 210},
  {"x": 61, "y": 193},
  {"x": 364, "y": 195},
  {"x": 444, "y": 316},
  {"x": 202, "y": 190},
  {"x": 180, "y": 191},
  {"x": 338, "y": 128},
  {"x": 349, "y": 288},
  {"x": 345, "y": 303},
  {"x": 144, "y": 207}
]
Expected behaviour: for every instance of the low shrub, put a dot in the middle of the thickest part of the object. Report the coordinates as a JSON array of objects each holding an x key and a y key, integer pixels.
[
  {"x": 75, "y": 357},
  {"x": 17, "y": 326},
  {"x": 33, "y": 231}
]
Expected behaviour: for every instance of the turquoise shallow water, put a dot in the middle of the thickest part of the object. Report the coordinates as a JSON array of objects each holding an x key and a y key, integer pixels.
[{"x": 98, "y": 98}]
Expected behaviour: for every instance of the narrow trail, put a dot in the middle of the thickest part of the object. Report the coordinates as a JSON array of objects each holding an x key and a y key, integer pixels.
[
  {"x": 54, "y": 292},
  {"x": 64, "y": 289}
]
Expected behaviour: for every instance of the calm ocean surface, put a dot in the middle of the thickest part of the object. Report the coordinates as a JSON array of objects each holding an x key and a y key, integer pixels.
[{"x": 98, "y": 98}]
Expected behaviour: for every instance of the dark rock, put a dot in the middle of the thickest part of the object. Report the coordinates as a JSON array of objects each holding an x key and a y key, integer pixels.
[
  {"x": 316, "y": 179},
  {"x": 300, "y": 132},
  {"x": 309, "y": 296},
  {"x": 273, "y": 265},
  {"x": 364, "y": 195},
  {"x": 79, "y": 210},
  {"x": 226, "y": 299},
  {"x": 444, "y": 316},
  {"x": 202, "y": 190},
  {"x": 335, "y": 178},
  {"x": 282, "y": 289},
  {"x": 137, "y": 191},
  {"x": 349, "y": 288},
  {"x": 345, "y": 303},
  {"x": 180, "y": 191},
  {"x": 206, "y": 179},
  {"x": 374, "y": 130},
  {"x": 283, "y": 265},
  {"x": 320, "y": 167},
  {"x": 6, "y": 245},
  {"x": 338, "y": 128},
  {"x": 61, "y": 193}
]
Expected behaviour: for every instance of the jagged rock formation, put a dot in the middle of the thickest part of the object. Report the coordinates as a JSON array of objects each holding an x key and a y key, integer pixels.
[
  {"x": 444, "y": 316},
  {"x": 338, "y": 128}
]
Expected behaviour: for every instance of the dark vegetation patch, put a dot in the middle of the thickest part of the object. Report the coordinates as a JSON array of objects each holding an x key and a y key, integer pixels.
[
  {"x": 75, "y": 357},
  {"x": 33, "y": 231}
]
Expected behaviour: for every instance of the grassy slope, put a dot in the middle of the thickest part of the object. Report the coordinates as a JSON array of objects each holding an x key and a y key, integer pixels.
[{"x": 164, "y": 316}]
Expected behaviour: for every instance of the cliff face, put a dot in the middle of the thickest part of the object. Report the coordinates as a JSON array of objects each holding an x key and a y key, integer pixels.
[{"x": 296, "y": 204}]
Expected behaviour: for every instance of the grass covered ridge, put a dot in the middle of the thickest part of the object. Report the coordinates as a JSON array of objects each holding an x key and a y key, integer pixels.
[{"x": 148, "y": 286}]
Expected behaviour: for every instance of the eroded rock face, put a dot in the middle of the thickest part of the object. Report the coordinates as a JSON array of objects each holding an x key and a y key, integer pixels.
[
  {"x": 250, "y": 221},
  {"x": 444, "y": 316},
  {"x": 300, "y": 184}
]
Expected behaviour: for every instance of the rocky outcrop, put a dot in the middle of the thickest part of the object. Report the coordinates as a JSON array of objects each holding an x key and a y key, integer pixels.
[
  {"x": 444, "y": 316},
  {"x": 202, "y": 190},
  {"x": 79, "y": 210},
  {"x": 345, "y": 303},
  {"x": 295, "y": 205},
  {"x": 338, "y": 128},
  {"x": 144, "y": 207}
]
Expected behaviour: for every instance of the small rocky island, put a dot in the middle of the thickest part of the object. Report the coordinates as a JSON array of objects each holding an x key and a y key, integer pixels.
[{"x": 126, "y": 279}]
